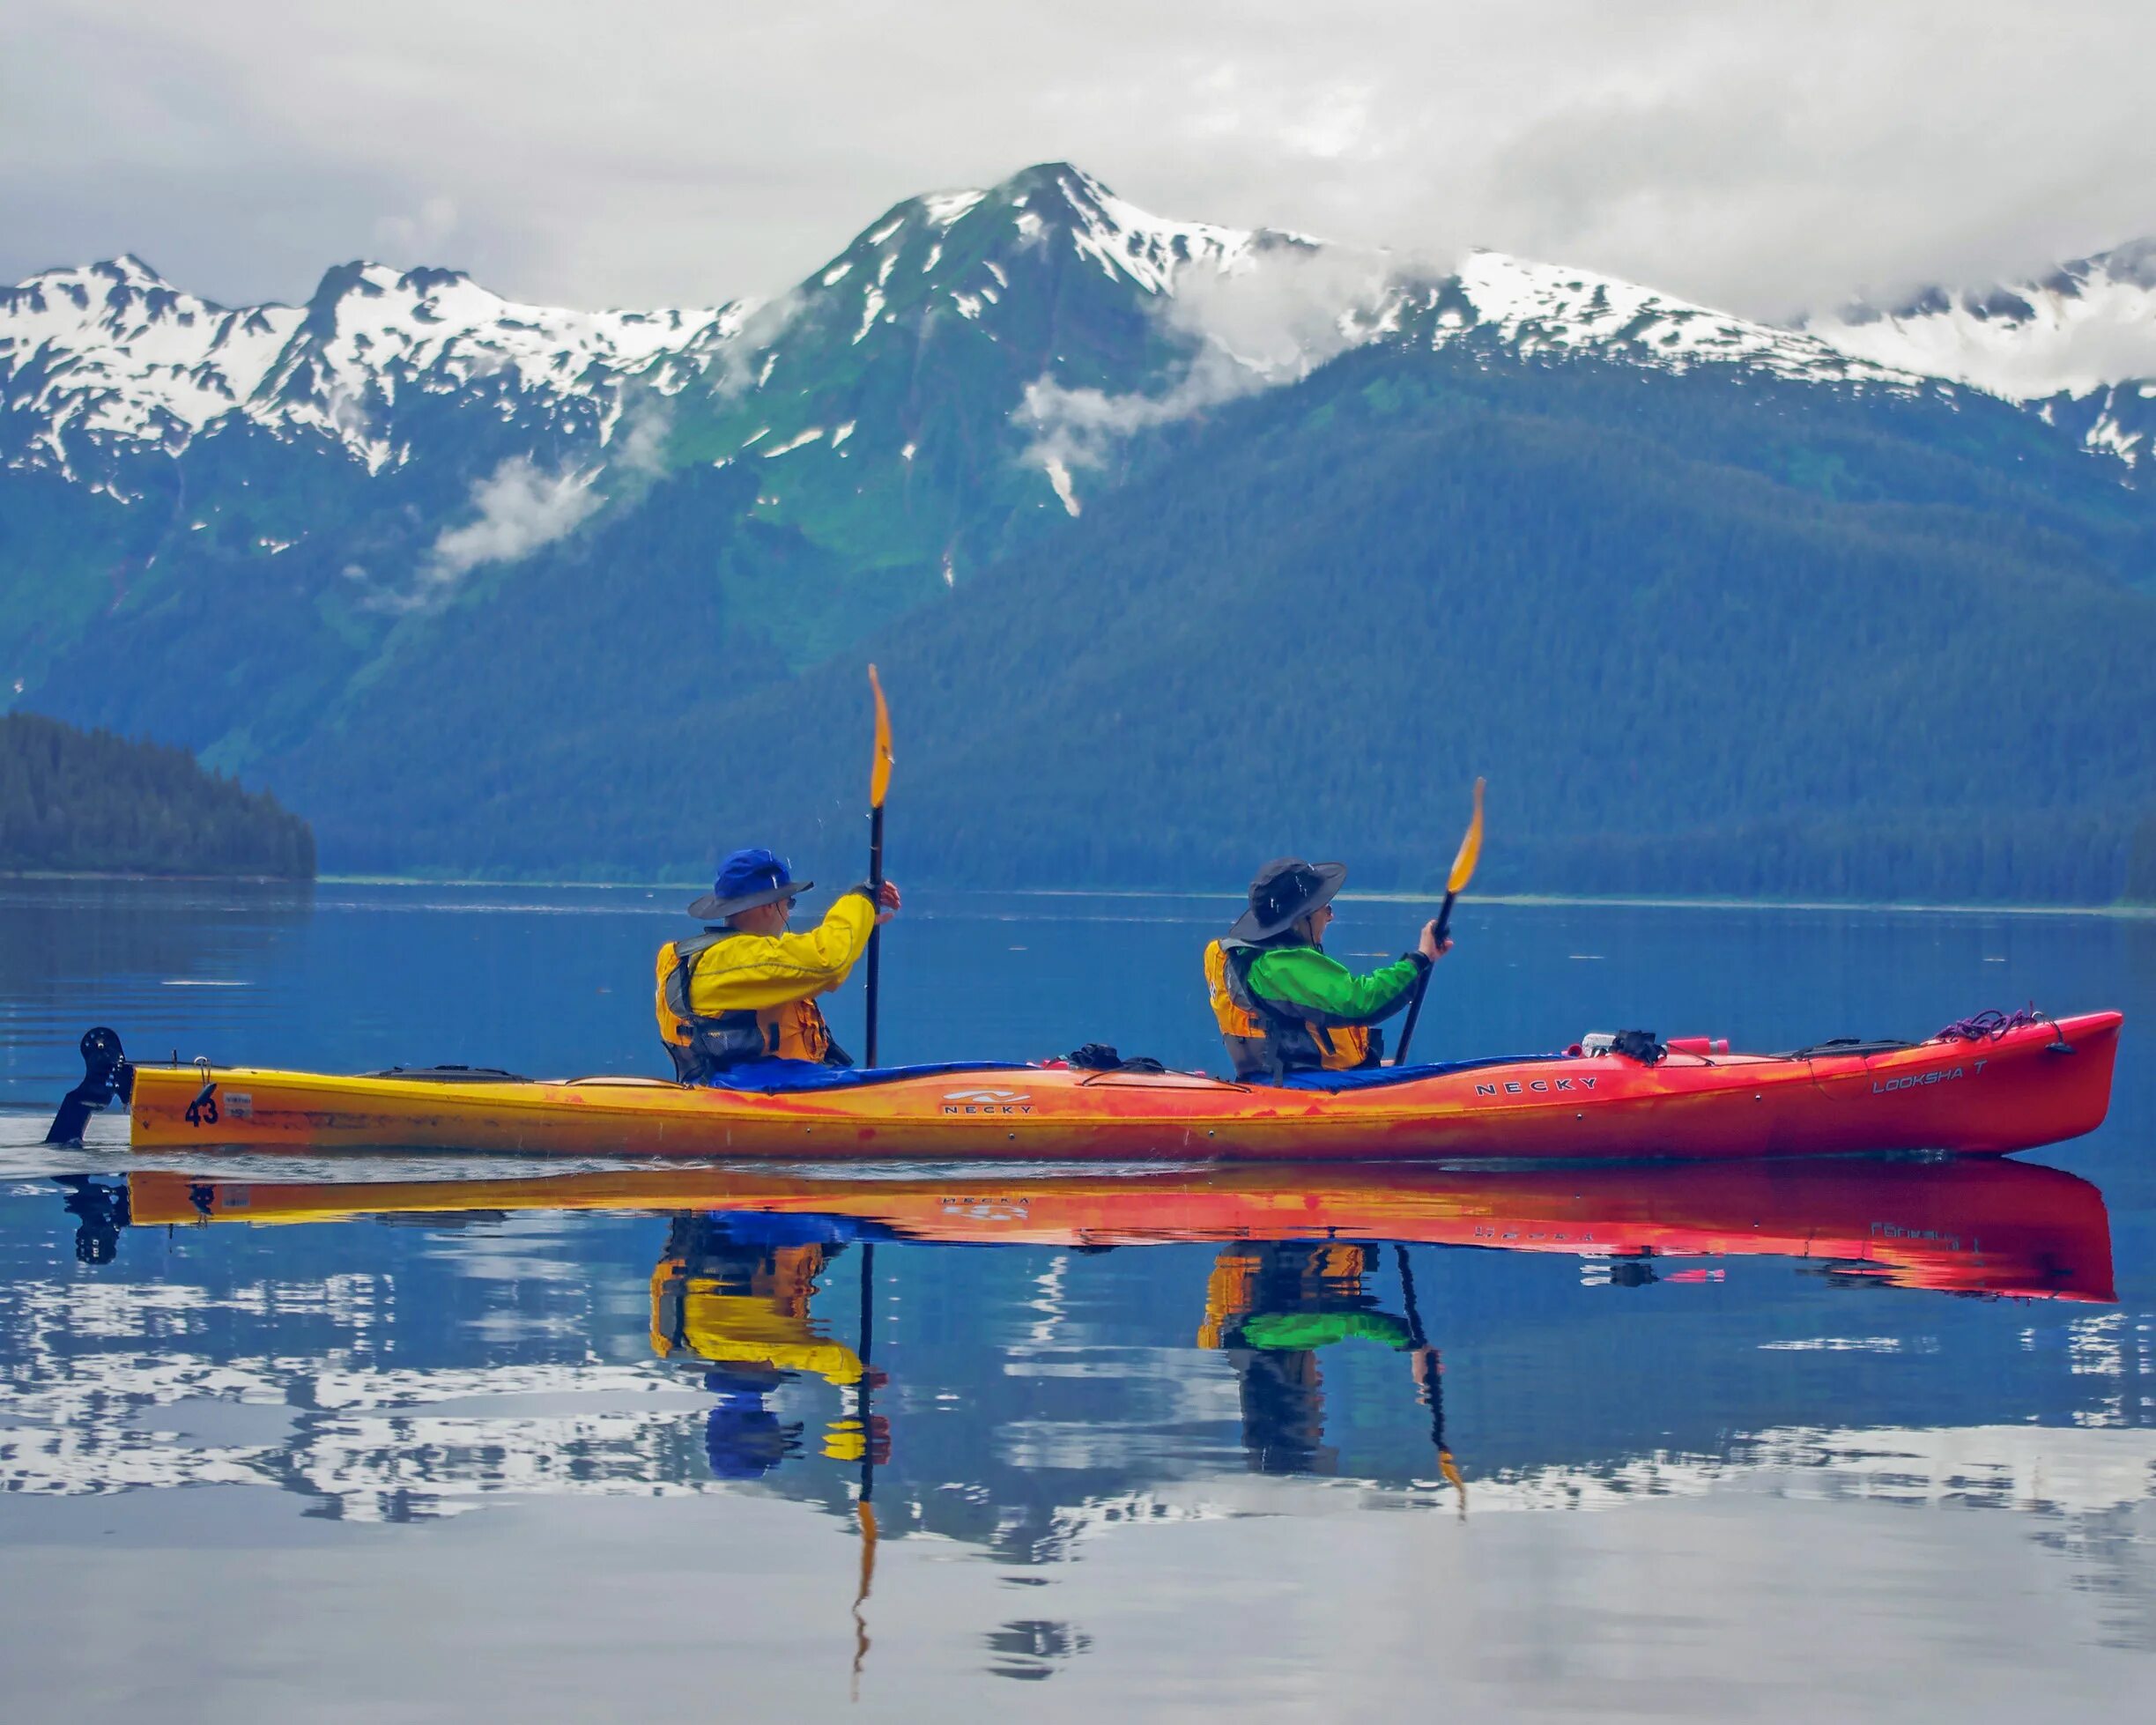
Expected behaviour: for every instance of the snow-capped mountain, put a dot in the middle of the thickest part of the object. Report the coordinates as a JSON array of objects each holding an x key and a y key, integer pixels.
[
  {"x": 107, "y": 363},
  {"x": 113, "y": 356},
  {"x": 1535, "y": 309},
  {"x": 322, "y": 538},
  {"x": 111, "y": 360},
  {"x": 2079, "y": 343}
]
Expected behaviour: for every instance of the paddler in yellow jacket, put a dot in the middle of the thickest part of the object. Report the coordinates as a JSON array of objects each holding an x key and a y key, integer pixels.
[
  {"x": 745, "y": 989},
  {"x": 1282, "y": 1004}
]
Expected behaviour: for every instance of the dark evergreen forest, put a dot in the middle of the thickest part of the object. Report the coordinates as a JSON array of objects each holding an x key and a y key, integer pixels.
[{"x": 92, "y": 801}]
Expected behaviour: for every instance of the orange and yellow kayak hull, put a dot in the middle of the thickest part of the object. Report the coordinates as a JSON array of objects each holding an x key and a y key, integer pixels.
[{"x": 2033, "y": 1085}]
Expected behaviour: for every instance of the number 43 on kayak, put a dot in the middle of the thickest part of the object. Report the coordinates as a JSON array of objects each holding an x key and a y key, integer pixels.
[{"x": 756, "y": 1071}]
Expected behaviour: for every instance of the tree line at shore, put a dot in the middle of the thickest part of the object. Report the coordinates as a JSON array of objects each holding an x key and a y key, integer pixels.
[{"x": 89, "y": 801}]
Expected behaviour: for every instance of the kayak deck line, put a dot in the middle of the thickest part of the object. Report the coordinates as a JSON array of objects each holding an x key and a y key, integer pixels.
[{"x": 2029, "y": 1084}]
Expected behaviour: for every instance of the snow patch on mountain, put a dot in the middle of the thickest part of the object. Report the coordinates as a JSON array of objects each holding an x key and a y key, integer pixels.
[
  {"x": 115, "y": 351},
  {"x": 944, "y": 208},
  {"x": 1544, "y": 308},
  {"x": 2086, "y": 326}
]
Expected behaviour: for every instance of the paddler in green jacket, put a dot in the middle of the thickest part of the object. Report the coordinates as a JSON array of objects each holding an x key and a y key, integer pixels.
[{"x": 1284, "y": 1005}]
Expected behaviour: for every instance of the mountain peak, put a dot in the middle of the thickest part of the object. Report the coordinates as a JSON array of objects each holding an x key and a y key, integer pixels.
[
  {"x": 1054, "y": 180},
  {"x": 129, "y": 270}
]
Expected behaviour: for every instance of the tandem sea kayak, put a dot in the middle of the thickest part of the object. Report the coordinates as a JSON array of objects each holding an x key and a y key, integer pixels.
[{"x": 1987, "y": 1086}]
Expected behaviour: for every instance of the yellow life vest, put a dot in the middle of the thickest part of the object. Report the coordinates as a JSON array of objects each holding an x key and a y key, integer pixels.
[
  {"x": 1264, "y": 1037},
  {"x": 791, "y": 1029}
]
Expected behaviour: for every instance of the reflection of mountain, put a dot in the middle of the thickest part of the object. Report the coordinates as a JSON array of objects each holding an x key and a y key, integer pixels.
[{"x": 1042, "y": 1392}]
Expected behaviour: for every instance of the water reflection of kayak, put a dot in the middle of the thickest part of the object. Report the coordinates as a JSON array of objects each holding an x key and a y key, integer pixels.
[
  {"x": 1961, "y": 1227},
  {"x": 2031, "y": 1083}
]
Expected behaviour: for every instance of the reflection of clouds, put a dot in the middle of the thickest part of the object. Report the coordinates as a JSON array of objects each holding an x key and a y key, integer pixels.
[
  {"x": 2040, "y": 1469},
  {"x": 385, "y": 1442},
  {"x": 156, "y": 1310},
  {"x": 2106, "y": 1346},
  {"x": 79, "y": 1461},
  {"x": 376, "y": 1444},
  {"x": 2081, "y": 1481},
  {"x": 441, "y": 1466},
  {"x": 1854, "y": 1344}
]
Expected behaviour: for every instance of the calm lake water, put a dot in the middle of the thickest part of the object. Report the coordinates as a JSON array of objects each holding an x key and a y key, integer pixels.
[{"x": 362, "y": 1437}]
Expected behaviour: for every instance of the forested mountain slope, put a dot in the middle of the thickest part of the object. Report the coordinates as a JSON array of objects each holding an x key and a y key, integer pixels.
[{"x": 1699, "y": 641}]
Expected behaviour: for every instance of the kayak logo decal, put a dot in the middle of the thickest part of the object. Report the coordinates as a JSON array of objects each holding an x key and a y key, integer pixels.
[
  {"x": 987, "y": 1102},
  {"x": 1915, "y": 1079},
  {"x": 1520, "y": 1087}
]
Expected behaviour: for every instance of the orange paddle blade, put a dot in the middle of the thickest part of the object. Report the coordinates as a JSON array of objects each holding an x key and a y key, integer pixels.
[
  {"x": 1470, "y": 849},
  {"x": 879, "y": 776}
]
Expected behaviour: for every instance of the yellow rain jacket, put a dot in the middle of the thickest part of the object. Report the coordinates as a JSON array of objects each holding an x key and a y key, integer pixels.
[{"x": 729, "y": 995}]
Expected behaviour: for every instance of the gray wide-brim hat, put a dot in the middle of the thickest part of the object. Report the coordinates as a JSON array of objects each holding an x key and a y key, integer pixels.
[{"x": 1286, "y": 890}]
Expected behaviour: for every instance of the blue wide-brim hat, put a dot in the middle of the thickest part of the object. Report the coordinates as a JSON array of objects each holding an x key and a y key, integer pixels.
[{"x": 747, "y": 879}]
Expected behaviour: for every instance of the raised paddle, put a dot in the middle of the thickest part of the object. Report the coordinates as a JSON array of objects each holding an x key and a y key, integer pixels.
[
  {"x": 1455, "y": 883},
  {"x": 879, "y": 781}
]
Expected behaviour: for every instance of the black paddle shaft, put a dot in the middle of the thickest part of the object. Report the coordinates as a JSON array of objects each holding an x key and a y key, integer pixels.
[
  {"x": 868, "y": 1353},
  {"x": 876, "y": 898},
  {"x": 1422, "y": 983},
  {"x": 1433, "y": 1389}
]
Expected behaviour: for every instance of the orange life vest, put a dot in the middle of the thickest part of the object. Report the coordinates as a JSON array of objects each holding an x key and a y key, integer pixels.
[{"x": 1264, "y": 1036}]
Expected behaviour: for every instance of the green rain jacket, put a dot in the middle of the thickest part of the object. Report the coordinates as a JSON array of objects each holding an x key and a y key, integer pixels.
[{"x": 1323, "y": 988}]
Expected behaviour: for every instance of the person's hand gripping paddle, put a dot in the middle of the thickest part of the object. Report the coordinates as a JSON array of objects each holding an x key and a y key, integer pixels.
[{"x": 1455, "y": 883}]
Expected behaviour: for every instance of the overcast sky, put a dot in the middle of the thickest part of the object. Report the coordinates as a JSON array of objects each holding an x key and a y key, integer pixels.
[{"x": 1760, "y": 155}]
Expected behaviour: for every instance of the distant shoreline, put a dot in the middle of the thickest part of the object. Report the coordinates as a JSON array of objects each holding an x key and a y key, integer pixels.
[
  {"x": 2129, "y": 913},
  {"x": 123, "y": 874},
  {"x": 1578, "y": 901}
]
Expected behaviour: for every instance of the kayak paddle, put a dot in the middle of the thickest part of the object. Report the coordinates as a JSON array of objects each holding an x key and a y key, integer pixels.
[
  {"x": 1455, "y": 883},
  {"x": 879, "y": 781}
]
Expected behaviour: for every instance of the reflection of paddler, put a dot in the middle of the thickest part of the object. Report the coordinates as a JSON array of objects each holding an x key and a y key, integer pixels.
[
  {"x": 739, "y": 1307},
  {"x": 1271, "y": 1307}
]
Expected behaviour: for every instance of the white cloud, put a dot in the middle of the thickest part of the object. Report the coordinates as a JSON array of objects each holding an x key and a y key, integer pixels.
[
  {"x": 638, "y": 447},
  {"x": 521, "y": 508},
  {"x": 1287, "y": 311},
  {"x": 414, "y": 240},
  {"x": 1758, "y": 157},
  {"x": 738, "y": 367}
]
